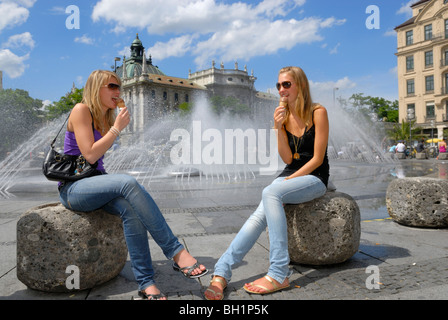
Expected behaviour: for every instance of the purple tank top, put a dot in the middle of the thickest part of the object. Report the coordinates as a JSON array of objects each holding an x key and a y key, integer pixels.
[{"x": 71, "y": 147}]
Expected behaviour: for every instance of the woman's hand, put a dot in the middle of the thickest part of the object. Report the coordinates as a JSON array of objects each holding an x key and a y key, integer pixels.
[
  {"x": 279, "y": 117},
  {"x": 122, "y": 120}
]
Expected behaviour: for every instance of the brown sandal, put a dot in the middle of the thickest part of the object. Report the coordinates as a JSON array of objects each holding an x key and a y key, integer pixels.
[
  {"x": 217, "y": 294},
  {"x": 275, "y": 287}
]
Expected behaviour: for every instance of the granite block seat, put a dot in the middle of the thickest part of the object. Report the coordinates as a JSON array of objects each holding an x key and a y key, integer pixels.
[
  {"x": 418, "y": 202},
  {"x": 54, "y": 243},
  {"x": 323, "y": 231},
  {"x": 421, "y": 155},
  {"x": 443, "y": 156}
]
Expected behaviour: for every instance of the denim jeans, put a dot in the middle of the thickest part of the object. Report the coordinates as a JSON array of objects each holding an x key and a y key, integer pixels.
[
  {"x": 271, "y": 213},
  {"x": 122, "y": 195}
]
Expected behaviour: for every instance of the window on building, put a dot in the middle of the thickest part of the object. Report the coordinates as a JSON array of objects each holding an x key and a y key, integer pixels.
[
  {"x": 446, "y": 26},
  {"x": 445, "y": 88},
  {"x": 176, "y": 97},
  {"x": 428, "y": 59},
  {"x": 429, "y": 83},
  {"x": 430, "y": 111},
  {"x": 153, "y": 94},
  {"x": 187, "y": 98},
  {"x": 445, "y": 118},
  {"x": 409, "y": 37},
  {"x": 428, "y": 32},
  {"x": 410, "y": 63},
  {"x": 410, "y": 87},
  {"x": 411, "y": 111},
  {"x": 165, "y": 95}
]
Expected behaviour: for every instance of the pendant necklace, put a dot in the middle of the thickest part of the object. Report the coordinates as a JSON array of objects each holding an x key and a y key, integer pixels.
[{"x": 296, "y": 155}]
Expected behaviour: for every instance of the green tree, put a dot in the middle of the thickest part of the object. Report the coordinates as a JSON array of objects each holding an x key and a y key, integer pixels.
[
  {"x": 21, "y": 116},
  {"x": 400, "y": 131},
  {"x": 229, "y": 105},
  {"x": 384, "y": 109},
  {"x": 65, "y": 104}
]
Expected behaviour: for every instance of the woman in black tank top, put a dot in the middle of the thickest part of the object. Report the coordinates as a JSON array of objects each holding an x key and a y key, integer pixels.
[{"x": 302, "y": 128}]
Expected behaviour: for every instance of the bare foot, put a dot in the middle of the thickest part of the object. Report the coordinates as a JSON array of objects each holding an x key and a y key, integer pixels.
[
  {"x": 184, "y": 259},
  {"x": 216, "y": 289},
  {"x": 265, "y": 285}
]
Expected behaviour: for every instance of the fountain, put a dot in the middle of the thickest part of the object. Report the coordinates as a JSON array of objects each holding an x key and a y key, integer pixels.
[{"x": 199, "y": 145}]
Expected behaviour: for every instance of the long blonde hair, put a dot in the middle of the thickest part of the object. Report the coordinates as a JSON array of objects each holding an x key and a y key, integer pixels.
[
  {"x": 304, "y": 103},
  {"x": 91, "y": 97}
]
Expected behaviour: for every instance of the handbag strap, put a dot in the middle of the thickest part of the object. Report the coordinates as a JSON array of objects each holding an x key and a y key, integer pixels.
[{"x": 54, "y": 140}]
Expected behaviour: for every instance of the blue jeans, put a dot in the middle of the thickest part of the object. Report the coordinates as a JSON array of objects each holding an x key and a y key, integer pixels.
[
  {"x": 271, "y": 213},
  {"x": 123, "y": 196}
]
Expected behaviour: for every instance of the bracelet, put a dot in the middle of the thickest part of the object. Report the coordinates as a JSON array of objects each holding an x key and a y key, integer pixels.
[{"x": 115, "y": 131}]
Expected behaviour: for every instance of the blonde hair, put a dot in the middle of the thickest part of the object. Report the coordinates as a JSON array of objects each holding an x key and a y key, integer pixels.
[
  {"x": 304, "y": 103},
  {"x": 91, "y": 96}
]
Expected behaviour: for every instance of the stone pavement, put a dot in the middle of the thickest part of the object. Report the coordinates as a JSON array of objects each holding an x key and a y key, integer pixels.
[{"x": 394, "y": 262}]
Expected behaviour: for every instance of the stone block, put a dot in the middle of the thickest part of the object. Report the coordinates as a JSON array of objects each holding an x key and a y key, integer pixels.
[
  {"x": 400, "y": 155},
  {"x": 323, "y": 231},
  {"x": 421, "y": 155},
  {"x": 54, "y": 243},
  {"x": 443, "y": 156},
  {"x": 418, "y": 202}
]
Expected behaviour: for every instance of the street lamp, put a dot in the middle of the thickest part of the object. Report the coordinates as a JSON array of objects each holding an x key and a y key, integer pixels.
[
  {"x": 115, "y": 63},
  {"x": 432, "y": 132},
  {"x": 411, "y": 116},
  {"x": 334, "y": 96}
]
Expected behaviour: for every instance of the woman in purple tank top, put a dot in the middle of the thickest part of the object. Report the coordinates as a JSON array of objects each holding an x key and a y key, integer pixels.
[{"x": 119, "y": 194}]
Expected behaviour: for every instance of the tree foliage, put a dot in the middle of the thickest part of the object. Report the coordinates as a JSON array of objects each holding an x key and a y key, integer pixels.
[
  {"x": 65, "y": 104},
  {"x": 383, "y": 109},
  {"x": 21, "y": 115},
  {"x": 230, "y": 105}
]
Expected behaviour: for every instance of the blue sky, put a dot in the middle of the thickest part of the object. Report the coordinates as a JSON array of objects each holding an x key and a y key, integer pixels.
[{"x": 328, "y": 39}]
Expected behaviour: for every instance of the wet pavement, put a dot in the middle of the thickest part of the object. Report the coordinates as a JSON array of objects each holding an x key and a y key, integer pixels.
[{"x": 206, "y": 214}]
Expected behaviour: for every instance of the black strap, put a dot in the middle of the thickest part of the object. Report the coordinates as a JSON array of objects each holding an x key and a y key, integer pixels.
[{"x": 54, "y": 140}]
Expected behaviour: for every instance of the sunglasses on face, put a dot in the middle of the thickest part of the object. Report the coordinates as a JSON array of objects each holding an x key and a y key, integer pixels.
[
  {"x": 112, "y": 86},
  {"x": 284, "y": 84}
]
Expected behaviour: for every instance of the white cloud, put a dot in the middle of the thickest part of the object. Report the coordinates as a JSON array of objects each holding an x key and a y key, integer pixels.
[
  {"x": 175, "y": 47},
  {"x": 84, "y": 39},
  {"x": 335, "y": 49},
  {"x": 406, "y": 8},
  {"x": 20, "y": 40},
  {"x": 12, "y": 15},
  {"x": 322, "y": 92},
  {"x": 216, "y": 30},
  {"x": 12, "y": 64}
]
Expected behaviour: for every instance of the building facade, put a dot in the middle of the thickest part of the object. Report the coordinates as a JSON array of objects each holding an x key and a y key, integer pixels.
[
  {"x": 422, "y": 56},
  {"x": 150, "y": 93}
]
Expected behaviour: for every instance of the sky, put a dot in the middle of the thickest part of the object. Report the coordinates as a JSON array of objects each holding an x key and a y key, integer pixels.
[{"x": 47, "y": 46}]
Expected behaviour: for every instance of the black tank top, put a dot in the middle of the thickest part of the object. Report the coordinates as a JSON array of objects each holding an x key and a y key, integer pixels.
[{"x": 306, "y": 151}]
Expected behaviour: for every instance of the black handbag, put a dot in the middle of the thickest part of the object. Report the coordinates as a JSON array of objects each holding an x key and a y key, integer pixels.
[{"x": 63, "y": 167}]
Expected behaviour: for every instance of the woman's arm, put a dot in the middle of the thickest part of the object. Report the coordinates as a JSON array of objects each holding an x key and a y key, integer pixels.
[
  {"x": 80, "y": 122},
  {"x": 321, "y": 124},
  {"x": 282, "y": 137}
]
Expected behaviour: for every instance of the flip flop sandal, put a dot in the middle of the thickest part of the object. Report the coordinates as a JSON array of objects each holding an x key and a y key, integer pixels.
[
  {"x": 266, "y": 290},
  {"x": 146, "y": 296},
  {"x": 217, "y": 294},
  {"x": 189, "y": 270}
]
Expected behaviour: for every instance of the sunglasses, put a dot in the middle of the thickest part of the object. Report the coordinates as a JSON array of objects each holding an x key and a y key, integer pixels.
[
  {"x": 112, "y": 86},
  {"x": 284, "y": 84}
]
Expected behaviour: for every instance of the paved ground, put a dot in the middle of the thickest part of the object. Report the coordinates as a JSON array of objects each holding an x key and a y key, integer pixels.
[{"x": 206, "y": 214}]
